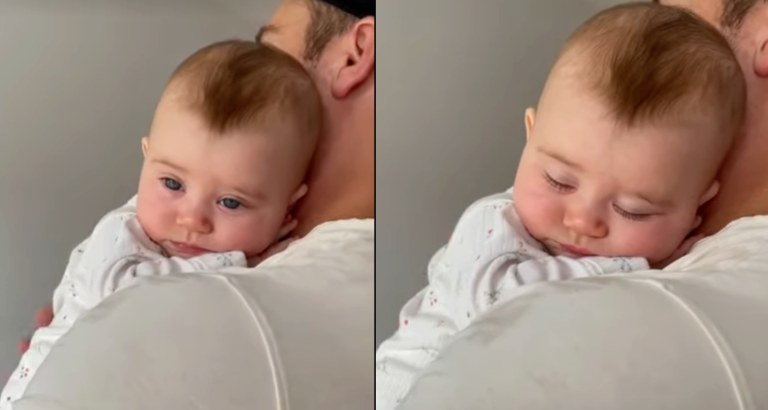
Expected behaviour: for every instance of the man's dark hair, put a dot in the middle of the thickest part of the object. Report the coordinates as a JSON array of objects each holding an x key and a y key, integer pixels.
[
  {"x": 734, "y": 12},
  {"x": 326, "y": 22}
]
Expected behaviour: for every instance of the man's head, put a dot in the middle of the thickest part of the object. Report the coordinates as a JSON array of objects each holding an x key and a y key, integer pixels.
[
  {"x": 633, "y": 124},
  {"x": 726, "y": 14},
  {"x": 228, "y": 151},
  {"x": 335, "y": 40},
  {"x": 744, "y": 177}
]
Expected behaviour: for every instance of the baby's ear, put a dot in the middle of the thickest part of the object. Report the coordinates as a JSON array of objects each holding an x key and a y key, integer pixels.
[
  {"x": 710, "y": 193},
  {"x": 530, "y": 117},
  {"x": 144, "y": 145},
  {"x": 300, "y": 193}
]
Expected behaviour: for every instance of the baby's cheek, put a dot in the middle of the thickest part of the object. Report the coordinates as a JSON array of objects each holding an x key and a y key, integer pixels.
[
  {"x": 251, "y": 235},
  {"x": 154, "y": 218},
  {"x": 656, "y": 241},
  {"x": 539, "y": 213}
]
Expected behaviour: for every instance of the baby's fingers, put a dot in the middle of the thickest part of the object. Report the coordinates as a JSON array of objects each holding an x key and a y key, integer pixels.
[{"x": 287, "y": 228}]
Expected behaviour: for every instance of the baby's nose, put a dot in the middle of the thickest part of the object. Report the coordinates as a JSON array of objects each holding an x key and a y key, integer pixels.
[
  {"x": 585, "y": 223},
  {"x": 194, "y": 221}
]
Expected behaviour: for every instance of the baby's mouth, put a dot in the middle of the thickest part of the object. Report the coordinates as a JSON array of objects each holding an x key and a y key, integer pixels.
[
  {"x": 185, "y": 249},
  {"x": 568, "y": 250}
]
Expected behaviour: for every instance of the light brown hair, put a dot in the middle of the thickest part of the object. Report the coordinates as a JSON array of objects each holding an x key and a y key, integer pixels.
[
  {"x": 651, "y": 62},
  {"x": 239, "y": 83}
]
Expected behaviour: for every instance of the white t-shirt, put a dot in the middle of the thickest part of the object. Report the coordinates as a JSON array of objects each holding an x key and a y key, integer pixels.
[
  {"x": 489, "y": 256},
  {"x": 690, "y": 337},
  {"x": 117, "y": 252},
  {"x": 298, "y": 331}
]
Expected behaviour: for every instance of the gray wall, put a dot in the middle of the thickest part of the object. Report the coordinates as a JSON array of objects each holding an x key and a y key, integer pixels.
[
  {"x": 78, "y": 85},
  {"x": 454, "y": 78}
]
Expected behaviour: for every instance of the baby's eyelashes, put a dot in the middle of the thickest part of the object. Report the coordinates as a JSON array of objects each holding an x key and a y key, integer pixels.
[{"x": 230, "y": 203}]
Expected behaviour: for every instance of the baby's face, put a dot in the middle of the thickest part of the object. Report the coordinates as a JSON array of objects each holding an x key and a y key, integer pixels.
[
  {"x": 201, "y": 193},
  {"x": 588, "y": 186}
]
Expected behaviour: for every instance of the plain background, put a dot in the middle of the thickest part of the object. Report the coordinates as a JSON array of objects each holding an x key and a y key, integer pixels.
[
  {"x": 78, "y": 86},
  {"x": 453, "y": 81}
]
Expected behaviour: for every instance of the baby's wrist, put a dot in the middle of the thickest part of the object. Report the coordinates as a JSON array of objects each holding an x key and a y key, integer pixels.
[
  {"x": 229, "y": 259},
  {"x": 638, "y": 263},
  {"x": 621, "y": 264},
  {"x": 238, "y": 259}
]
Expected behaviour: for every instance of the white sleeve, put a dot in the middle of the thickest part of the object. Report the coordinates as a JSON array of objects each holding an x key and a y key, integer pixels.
[
  {"x": 43, "y": 339},
  {"x": 117, "y": 252},
  {"x": 488, "y": 256}
]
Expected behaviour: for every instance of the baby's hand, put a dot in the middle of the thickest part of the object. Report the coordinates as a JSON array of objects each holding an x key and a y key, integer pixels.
[
  {"x": 283, "y": 240},
  {"x": 681, "y": 251},
  {"x": 289, "y": 224},
  {"x": 272, "y": 250}
]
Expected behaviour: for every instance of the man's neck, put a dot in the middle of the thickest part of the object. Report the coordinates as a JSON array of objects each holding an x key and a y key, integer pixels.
[
  {"x": 311, "y": 214},
  {"x": 341, "y": 181},
  {"x": 744, "y": 185}
]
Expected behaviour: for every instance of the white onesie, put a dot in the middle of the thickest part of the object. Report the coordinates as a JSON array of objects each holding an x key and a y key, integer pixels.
[
  {"x": 117, "y": 251},
  {"x": 489, "y": 254}
]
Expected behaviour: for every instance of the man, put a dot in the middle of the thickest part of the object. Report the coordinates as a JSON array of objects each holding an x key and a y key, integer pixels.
[
  {"x": 744, "y": 183},
  {"x": 691, "y": 337},
  {"x": 298, "y": 330}
]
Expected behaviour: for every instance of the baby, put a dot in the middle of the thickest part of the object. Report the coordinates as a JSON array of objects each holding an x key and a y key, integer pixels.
[
  {"x": 636, "y": 116},
  {"x": 231, "y": 140}
]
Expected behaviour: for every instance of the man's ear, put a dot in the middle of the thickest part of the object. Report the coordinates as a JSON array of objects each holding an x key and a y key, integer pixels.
[
  {"x": 358, "y": 50},
  {"x": 298, "y": 194},
  {"x": 144, "y": 146},
  {"x": 530, "y": 117},
  {"x": 760, "y": 61},
  {"x": 760, "y": 41},
  {"x": 710, "y": 193}
]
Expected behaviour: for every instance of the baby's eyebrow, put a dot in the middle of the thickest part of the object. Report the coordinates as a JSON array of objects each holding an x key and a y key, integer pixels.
[
  {"x": 168, "y": 164},
  {"x": 254, "y": 194},
  {"x": 661, "y": 201},
  {"x": 558, "y": 157}
]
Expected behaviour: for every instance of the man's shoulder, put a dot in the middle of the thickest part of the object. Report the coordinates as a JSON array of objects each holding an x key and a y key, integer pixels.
[
  {"x": 741, "y": 245},
  {"x": 338, "y": 246},
  {"x": 307, "y": 325}
]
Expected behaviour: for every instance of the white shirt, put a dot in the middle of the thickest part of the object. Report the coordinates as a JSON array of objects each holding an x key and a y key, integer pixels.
[
  {"x": 117, "y": 252},
  {"x": 490, "y": 255},
  {"x": 691, "y": 337},
  {"x": 295, "y": 332}
]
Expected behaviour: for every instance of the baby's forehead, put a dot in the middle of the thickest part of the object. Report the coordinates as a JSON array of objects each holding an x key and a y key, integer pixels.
[
  {"x": 633, "y": 163},
  {"x": 217, "y": 171}
]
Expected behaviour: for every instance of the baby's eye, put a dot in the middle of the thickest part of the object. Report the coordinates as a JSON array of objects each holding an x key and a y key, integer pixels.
[
  {"x": 557, "y": 185},
  {"x": 632, "y": 216},
  {"x": 172, "y": 184},
  {"x": 230, "y": 203}
]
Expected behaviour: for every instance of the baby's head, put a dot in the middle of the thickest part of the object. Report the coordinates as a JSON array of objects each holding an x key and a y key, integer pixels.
[
  {"x": 635, "y": 119},
  {"x": 230, "y": 144}
]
